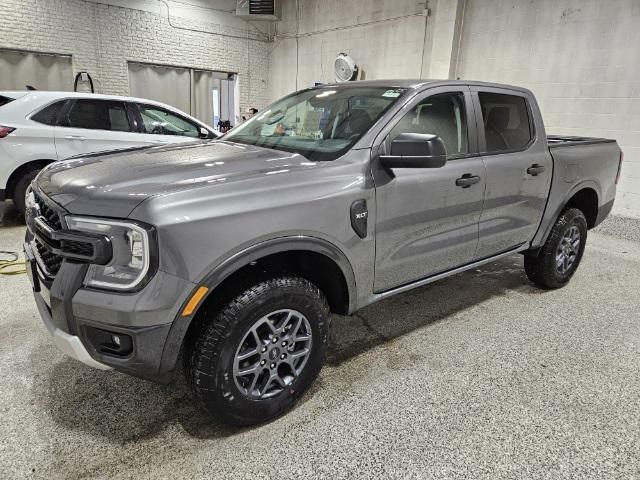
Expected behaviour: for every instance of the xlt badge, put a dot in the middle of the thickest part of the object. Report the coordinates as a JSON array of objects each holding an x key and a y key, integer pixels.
[{"x": 359, "y": 215}]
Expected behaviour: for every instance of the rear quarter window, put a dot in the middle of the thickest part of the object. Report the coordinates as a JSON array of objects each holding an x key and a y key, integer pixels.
[
  {"x": 507, "y": 123},
  {"x": 49, "y": 114},
  {"x": 4, "y": 100}
]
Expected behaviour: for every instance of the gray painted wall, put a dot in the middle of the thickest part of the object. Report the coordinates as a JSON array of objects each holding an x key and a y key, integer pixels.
[
  {"x": 580, "y": 57},
  {"x": 386, "y": 37}
]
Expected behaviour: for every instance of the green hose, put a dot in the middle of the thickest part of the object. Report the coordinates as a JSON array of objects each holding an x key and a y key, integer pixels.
[{"x": 12, "y": 265}]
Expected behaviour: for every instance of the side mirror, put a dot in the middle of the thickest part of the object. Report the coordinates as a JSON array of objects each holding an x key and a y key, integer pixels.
[
  {"x": 204, "y": 133},
  {"x": 415, "y": 150}
]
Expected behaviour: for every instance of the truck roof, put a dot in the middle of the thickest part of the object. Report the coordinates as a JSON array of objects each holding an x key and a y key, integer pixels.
[{"x": 417, "y": 83}]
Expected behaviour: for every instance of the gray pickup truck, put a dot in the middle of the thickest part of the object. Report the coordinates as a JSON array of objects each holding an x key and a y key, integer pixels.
[{"x": 228, "y": 256}]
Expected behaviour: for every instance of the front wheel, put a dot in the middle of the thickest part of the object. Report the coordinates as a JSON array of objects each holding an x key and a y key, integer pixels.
[
  {"x": 253, "y": 360},
  {"x": 561, "y": 254}
]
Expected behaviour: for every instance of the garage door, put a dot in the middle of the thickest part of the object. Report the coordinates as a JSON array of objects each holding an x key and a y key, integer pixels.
[
  {"x": 169, "y": 85},
  {"x": 205, "y": 94},
  {"x": 42, "y": 71}
]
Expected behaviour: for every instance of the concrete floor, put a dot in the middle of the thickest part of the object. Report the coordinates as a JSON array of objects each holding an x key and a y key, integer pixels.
[{"x": 477, "y": 376}]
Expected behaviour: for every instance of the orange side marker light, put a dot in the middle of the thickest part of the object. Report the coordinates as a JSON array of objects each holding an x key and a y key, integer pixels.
[{"x": 194, "y": 301}]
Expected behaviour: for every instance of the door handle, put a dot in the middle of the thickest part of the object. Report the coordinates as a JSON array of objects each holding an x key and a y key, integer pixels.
[
  {"x": 75, "y": 137},
  {"x": 159, "y": 142},
  {"x": 467, "y": 180},
  {"x": 535, "y": 169}
]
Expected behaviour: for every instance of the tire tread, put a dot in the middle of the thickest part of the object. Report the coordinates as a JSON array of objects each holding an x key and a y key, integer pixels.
[
  {"x": 540, "y": 269},
  {"x": 209, "y": 341}
]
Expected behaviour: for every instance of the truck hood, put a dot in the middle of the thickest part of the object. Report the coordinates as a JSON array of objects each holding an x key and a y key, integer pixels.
[{"x": 114, "y": 184}]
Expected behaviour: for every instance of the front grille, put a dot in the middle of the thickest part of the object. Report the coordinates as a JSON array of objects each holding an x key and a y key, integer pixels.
[
  {"x": 51, "y": 261},
  {"x": 77, "y": 248},
  {"x": 52, "y": 217}
]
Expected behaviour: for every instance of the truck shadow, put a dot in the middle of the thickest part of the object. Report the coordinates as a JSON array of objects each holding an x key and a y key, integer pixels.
[
  {"x": 385, "y": 321},
  {"x": 119, "y": 407},
  {"x": 124, "y": 409}
]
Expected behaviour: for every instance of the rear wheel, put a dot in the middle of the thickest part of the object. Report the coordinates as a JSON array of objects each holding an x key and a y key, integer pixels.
[
  {"x": 561, "y": 254},
  {"x": 20, "y": 189},
  {"x": 253, "y": 359}
]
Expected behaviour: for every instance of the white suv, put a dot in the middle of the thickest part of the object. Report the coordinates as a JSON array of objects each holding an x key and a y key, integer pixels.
[{"x": 39, "y": 127}]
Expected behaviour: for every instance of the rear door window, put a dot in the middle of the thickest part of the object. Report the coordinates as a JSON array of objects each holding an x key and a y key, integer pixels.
[
  {"x": 98, "y": 115},
  {"x": 507, "y": 125}
]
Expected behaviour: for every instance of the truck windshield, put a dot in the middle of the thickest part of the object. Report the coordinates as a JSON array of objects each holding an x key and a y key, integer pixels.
[{"x": 321, "y": 123}]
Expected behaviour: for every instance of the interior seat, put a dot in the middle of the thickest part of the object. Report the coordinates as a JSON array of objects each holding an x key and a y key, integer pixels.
[
  {"x": 439, "y": 118},
  {"x": 357, "y": 123},
  {"x": 497, "y": 128}
]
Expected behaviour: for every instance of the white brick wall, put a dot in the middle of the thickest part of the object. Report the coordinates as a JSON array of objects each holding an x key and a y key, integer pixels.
[
  {"x": 102, "y": 38},
  {"x": 580, "y": 57}
]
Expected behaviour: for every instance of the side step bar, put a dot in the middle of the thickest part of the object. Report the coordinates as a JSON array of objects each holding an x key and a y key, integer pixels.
[{"x": 448, "y": 273}]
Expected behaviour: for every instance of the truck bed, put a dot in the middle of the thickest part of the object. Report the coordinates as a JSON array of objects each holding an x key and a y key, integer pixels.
[
  {"x": 555, "y": 141},
  {"x": 590, "y": 163}
]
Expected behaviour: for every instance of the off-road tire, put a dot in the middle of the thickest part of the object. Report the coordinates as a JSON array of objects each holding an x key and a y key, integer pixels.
[
  {"x": 210, "y": 357},
  {"x": 542, "y": 269}
]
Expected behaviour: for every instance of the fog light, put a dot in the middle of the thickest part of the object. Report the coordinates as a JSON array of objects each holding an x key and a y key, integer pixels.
[{"x": 111, "y": 343}]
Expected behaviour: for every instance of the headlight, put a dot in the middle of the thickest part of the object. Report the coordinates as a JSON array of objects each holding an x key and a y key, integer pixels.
[{"x": 133, "y": 254}]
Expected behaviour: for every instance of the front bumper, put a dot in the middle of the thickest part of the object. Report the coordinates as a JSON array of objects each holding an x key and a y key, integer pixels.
[
  {"x": 73, "y": 314},
  {"x": 69, "y": 344}
]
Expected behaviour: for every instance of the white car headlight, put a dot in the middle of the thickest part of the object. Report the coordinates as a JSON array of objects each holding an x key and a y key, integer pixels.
[{"x": 133, "y": 253}]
